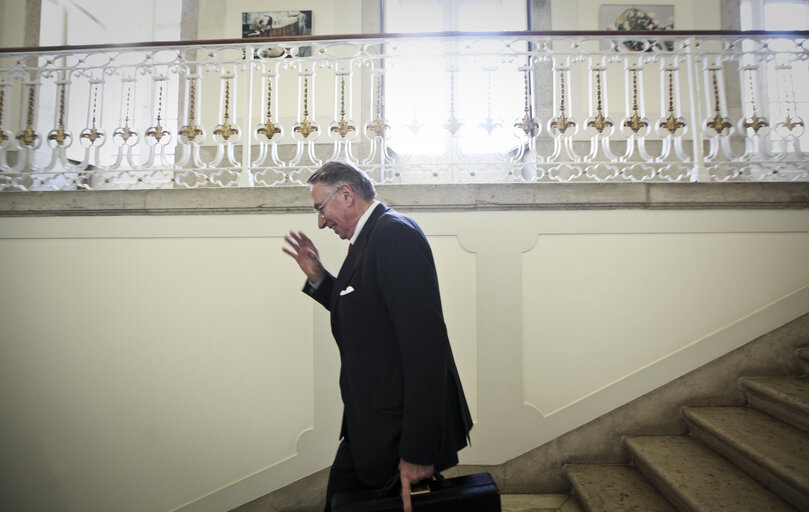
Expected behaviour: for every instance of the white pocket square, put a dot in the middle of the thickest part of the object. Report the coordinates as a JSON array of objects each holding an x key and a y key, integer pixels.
[{"x": 346, "y": 291}]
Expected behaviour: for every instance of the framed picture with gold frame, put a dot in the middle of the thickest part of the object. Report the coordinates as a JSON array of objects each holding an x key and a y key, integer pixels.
[{"x": 637, "y": 17}]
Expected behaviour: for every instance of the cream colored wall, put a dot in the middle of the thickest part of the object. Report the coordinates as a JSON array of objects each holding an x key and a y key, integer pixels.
[
  {"x": 12, "y": 23},
  {"x": 172, "y": 363}
]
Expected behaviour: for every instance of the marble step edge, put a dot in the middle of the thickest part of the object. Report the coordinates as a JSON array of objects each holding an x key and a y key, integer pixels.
[
  {"x": 614, "y": 488},
  {"x": 695, "y": 479},
  {"x": 771, "y": 451},
  {"x": 785, "y": 398}
]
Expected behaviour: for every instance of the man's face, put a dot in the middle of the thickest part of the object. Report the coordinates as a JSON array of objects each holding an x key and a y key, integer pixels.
[{"x": 334, "y": 210}]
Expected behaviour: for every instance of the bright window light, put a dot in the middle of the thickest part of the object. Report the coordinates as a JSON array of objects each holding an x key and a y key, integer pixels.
[{"x": 425, "y": 95}]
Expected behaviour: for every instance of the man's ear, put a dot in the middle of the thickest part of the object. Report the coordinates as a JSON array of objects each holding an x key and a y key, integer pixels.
[{"x": 348, "y": 193}]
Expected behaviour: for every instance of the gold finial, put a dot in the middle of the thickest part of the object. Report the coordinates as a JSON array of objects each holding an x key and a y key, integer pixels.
[
  {"x": 717, "y": 123},
  {"x": 93, "y": 134},
  {"x": 490, "y": 125},
  {"x": 226, "y": 130},
  {"x": 379, "y": 126},
  {"x": 789, "y": 125},
  {"x": 527, "y": 124},
  {"x": 60, "y": 135},
  {"x": 562, "y": 123},
  {"x": 191, "y": 131},
  {"x": 305, "y": 128},
  {"x": 157, "y": 131},
  {"x": 269, "y": 129},
  {"x": 453, "y": 124},
  {"x": 126, "y": 132},
  {"x": 342, "y": 127},
  {"x": 600, "y": 122},
  {"x": 28, "y": 136},
  {"x": 755, "y": 122},
  {"x": 3, "y": 136},
  {"x": 672, "y": 123},
  {"x": 635, "y": 123}
]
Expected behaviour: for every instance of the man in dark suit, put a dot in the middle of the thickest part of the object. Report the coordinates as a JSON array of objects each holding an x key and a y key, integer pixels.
[{"x": 403, "y": 404}]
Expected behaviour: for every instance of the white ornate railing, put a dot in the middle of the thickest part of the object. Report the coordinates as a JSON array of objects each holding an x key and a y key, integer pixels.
[{"x": 443, "y": 108}]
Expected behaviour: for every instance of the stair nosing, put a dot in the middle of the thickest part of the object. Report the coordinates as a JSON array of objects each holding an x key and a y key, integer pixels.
[{"x": 682, "y": 493}]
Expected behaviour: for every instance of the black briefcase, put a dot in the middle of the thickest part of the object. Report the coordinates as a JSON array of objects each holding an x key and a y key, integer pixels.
[{"x": 469, "y": 493}]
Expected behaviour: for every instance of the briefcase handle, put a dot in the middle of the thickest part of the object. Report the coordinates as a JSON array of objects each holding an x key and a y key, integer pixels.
[{"x": 393, "y": 486}]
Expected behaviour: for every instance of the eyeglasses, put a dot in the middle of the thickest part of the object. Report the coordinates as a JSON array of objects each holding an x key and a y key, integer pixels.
[{"x": 319, "y": 208}]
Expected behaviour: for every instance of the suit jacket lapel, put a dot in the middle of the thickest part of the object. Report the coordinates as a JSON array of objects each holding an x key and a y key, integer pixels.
[{"x": 355, "y": 254}]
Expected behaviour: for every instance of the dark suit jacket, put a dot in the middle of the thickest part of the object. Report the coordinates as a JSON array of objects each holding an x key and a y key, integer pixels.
[{"x": 401, "y": 393}]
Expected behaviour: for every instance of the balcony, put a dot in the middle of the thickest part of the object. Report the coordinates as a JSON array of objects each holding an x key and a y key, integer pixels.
[{"x": 448, "y": 108}]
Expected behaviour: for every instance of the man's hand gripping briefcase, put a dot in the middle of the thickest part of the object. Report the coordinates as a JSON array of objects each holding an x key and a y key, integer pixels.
[{"x": 469, "y": 493}]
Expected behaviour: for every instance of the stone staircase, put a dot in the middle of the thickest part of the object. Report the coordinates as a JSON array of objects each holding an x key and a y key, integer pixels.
[{"x": 753, "y": 458}]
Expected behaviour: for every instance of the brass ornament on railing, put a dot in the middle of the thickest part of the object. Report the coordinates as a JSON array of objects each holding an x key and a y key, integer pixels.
[
  {"x": 157, "y": 131},
  {"x": 4, "y": 136},
  {"x": 789, "y": 126},
  {"x": 491, "y": 124},
  {"x": 756, "y": 123},
  {"x": 528, "y": 125},
  {"x": 635, "y": 123},
  {"x": 305, "y": 128},
  {"x": 191, "y": 132},
  {"x": 453, "y": 124},
  {"x": 379, "y": 127},
  {"x": 226, "y": 130},
  {"x": 59, "y": 136},
  {"x": 672, "y": 123},
  {"x": 717, "y": 123},
  {"x": 28, "y": 137},
  {"x": 268, "y": 129},
  {"x": 562, "y": 123},
  {"x": 342, "y": 127},
  {"x": 600, "y": 122},
  {"x": 93, "y": 134},
  {"x": 126, "y": 134}
]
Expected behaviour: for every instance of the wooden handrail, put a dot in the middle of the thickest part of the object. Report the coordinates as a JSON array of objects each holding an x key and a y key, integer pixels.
[{"x": 583, "y": 34}]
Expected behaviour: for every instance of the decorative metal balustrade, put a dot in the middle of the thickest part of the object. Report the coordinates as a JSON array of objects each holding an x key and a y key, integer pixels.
[{"x": 445, "y": 108}]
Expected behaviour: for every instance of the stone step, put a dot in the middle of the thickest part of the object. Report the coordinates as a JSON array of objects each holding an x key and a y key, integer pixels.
[
  {"x": 695, "y": 479},
  {"x": 785, "y": 398},
  {"x": 538, "y": 503},
  {"x": 614, "y": 488},
  {"x": 769, "y": 450}
]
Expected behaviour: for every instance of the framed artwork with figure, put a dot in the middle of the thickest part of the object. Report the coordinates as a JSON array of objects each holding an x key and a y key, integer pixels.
[{"x": 279, "y": 24}]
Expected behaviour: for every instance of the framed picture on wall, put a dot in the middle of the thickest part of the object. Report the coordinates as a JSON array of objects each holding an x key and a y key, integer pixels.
[
  {"x": 279, "y": 24},
  {"x": 637, "y": 17}
]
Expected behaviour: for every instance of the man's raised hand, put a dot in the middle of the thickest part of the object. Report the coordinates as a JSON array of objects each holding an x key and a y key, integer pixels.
[{"x": 302, "y": 250}]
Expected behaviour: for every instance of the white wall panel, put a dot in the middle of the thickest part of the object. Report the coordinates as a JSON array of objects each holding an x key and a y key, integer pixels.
[
  {"x": 601, "y": 306},
  {"x": 149, "y": 357}
]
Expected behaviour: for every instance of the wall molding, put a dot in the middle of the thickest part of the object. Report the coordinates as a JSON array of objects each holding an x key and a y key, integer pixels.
[{"x": 508, "y": 196}]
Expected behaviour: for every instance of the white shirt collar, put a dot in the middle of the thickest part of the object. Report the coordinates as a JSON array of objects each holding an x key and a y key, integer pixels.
[{"x": 362, "y": 221}]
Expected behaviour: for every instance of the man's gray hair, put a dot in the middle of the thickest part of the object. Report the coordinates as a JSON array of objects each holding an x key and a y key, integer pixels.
[{"x": 334, "y": 174}]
